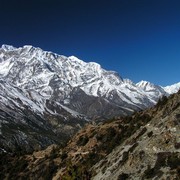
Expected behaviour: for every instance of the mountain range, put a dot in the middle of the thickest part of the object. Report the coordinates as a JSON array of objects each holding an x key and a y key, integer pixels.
[
  {"x": 45, "y": 97},
  {"x": 143, "y": 146}
]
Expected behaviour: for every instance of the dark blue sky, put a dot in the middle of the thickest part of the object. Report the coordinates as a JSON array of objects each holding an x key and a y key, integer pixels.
[{"x": 140, "y": 39}]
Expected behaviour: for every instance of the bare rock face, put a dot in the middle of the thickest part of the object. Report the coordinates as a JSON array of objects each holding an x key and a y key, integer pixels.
[{"x": 45, "y": 98}]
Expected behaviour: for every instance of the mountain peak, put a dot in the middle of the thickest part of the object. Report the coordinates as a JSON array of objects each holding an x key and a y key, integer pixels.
[
  {"x": 73, "y": 57},
  {"x": 144, "y": 83},
  {"x": 172, "y": 88},
  {"x": 8, "y": 47},
  {"x": 28, "y": 47},
  {"x": 76, "y": 60}
]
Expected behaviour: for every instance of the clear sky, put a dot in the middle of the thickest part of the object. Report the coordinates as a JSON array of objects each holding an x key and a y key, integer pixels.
[{"x": 140, "y": 39}]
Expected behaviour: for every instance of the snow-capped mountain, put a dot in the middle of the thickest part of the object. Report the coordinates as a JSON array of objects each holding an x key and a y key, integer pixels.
[
  {"x": 46, "y": 92},
  {"x": 172, "y": 89}
]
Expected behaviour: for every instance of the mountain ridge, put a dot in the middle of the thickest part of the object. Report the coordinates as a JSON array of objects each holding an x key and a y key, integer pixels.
[{"x": 59, "y": 93}]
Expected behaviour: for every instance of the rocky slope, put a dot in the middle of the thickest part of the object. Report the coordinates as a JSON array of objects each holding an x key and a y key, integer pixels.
[
  {"x": 145, "y": 145},
  {"x": 152, "y": 152},
  {"x": 45, "y": 98}
]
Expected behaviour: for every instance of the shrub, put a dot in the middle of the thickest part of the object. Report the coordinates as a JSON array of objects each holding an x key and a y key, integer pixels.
[
  {"x": 150, "y": 134},
  {"x": 149, "y": 172},
  {"x": 83, "y": 140},
  {"x": 162, "y": 101},
  {"x": 64, "y": 155},
  {"x": 173, "y": 161},
  {"x": 177, "y": 145},
  {"x": 123, "y": 176}
]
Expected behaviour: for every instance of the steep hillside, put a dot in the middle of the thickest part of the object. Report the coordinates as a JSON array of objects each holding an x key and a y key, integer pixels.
[
  {"x": 145, "y": 145},
  {"x": 152, "y": 152}
]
